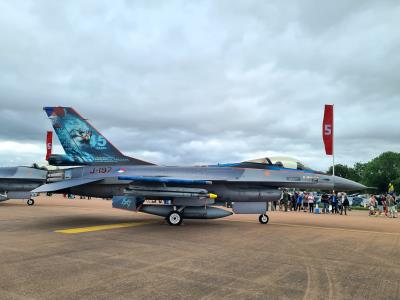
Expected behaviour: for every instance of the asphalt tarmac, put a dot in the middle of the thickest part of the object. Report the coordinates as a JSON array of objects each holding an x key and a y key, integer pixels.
[{"x": 80, "y": 249}]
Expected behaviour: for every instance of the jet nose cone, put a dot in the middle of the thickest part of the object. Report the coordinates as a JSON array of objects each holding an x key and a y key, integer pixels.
[{"x": 342, "y": 184}]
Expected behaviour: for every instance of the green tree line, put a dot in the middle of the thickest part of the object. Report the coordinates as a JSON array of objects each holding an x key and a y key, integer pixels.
[{"x": 377, "y": 173}]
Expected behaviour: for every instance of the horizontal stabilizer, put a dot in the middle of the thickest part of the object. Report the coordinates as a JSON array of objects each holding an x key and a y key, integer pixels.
[
  {"x": 164, "y": 180},
  {"x": 65, "y": 184},
  {"x": 23, "y": 173}
]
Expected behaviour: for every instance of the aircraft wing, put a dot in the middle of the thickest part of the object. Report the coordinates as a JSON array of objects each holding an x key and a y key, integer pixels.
[{"x": 61, "y": 185}]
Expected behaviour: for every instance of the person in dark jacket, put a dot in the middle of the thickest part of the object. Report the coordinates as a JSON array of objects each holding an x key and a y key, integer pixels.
[
  {"x": 285, "y": 199},
  {"x": 325, "y": 203},
  {"x": 345, "y": 204},
  {"x": 293, "y": 200}
]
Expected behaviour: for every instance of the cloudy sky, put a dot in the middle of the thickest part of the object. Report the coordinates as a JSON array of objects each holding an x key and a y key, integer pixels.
[{"x": 193, "y": 82}]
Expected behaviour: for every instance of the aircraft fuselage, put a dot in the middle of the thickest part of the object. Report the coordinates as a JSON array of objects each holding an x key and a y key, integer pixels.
[{"x": 229, "y": 183}]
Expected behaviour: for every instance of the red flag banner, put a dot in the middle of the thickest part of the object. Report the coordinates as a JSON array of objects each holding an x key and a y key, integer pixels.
[
  {"x": 327, "y": 129},
  {"x": 49, "y": 144}
]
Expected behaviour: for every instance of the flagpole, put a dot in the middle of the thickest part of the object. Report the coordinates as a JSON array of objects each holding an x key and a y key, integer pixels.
[{"x": 333, "y": 146}]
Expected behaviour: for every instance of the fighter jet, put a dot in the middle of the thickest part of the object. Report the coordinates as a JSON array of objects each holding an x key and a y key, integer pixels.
[
  {"x": 18, "y": 182},
  {"x": 188, "y": 192}
]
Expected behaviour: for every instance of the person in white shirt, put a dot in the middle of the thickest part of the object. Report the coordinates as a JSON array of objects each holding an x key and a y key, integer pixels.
[{"x": 311, "y": 203}]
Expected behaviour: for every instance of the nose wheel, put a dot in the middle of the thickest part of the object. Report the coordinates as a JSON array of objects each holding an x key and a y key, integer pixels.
[
  {"x": 263, "y": 219},
  {"x": 174, "y": 218},
  {"x": 30, "y": 202}
]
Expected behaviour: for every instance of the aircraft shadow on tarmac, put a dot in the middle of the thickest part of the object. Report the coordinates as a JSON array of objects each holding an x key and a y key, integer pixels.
[
  {"x": 7, "y": 203},
  {"x": 61, "y": 222}
]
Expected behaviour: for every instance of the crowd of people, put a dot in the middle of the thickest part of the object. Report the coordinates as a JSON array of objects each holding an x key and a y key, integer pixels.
[
  {"x": 383, "y": 205},
  {"x": 380, "y": 205},
  {"x": 306, "y": 201}
]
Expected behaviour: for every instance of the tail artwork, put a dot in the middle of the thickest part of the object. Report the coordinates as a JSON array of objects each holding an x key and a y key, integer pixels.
[{"x": 82, "y": 143}]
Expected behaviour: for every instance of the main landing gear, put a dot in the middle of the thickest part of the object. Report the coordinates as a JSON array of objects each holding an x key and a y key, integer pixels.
[
  {"x": 263, "y": 219},
  {"x": 30, "y": 202},
  {"x": 174, "y": 218}
]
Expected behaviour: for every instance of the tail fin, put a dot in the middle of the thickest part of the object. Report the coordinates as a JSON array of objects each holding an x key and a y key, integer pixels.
[{"x": 82, "y": 142}]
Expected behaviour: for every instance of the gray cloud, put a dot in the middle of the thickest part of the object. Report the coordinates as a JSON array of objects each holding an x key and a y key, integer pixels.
[{"x": 204, "y": 82}]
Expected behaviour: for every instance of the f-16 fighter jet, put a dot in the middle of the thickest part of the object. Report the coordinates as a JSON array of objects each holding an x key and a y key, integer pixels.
[
  {"x": 188, "y": 192},
  {"x": 18, "y": 182}
]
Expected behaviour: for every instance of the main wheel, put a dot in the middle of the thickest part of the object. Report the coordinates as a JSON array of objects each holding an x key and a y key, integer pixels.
[
  {"x": 30, "y": 202},
  {"x": 174, "y": 218},
  {"x": 263, "y": 219}
]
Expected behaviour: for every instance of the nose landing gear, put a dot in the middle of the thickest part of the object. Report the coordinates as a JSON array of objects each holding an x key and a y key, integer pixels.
[
  {"x": 30, "y": 202},
  {"x": 263, "y": 219}
]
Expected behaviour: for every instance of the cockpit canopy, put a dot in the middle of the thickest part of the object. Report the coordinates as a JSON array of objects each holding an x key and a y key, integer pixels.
[{"x": 280, "y": 161}]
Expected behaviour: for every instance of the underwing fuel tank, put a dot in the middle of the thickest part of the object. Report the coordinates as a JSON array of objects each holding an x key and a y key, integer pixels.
[{"x": 190, "y": 212}]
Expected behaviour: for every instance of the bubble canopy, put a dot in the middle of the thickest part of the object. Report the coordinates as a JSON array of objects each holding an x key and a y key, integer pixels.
[{"x": 281, "y": 161}]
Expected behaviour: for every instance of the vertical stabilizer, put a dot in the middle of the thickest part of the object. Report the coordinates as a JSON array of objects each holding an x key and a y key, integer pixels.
[{"x": 82, "y": 142}]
